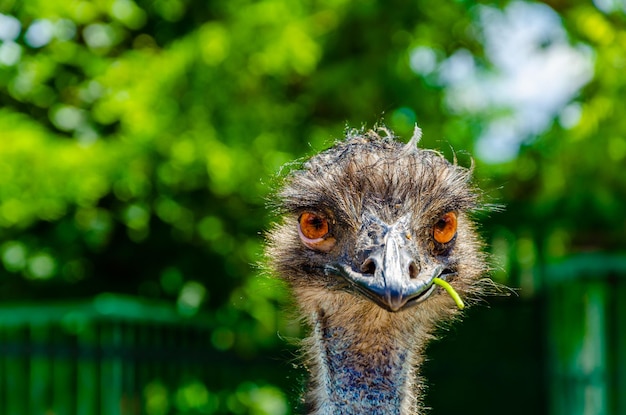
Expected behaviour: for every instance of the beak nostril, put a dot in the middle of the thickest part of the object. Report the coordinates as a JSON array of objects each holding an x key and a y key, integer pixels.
[
  {"x": 368, "y": 266},
  {"x": 413, "y": 270}
]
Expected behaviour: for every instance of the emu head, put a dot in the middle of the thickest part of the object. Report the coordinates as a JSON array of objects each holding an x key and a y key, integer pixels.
[{"x": 379, "y": 220}]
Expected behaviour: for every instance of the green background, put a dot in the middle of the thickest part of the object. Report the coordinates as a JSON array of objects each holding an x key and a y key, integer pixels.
[{"x": 140, "y": 142}]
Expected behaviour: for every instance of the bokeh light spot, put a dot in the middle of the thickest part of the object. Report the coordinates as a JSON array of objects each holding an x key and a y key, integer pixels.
[
  {"x": 14, "y": 256},
  {"x": 41, "y": 266},
  {"x": 10, "y": 27},
  {"x": 39, "y": 33},
  {"x": 190, "y": 298}
]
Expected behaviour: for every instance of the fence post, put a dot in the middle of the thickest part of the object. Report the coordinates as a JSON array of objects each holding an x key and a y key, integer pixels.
[
  {"x": 586, "y": 339},
  {"x": 620, "y": 359},
  {"x": 577, "y": 351},
  {"x": 17, "y": 365},
  {"x": 40, "y": 368}
]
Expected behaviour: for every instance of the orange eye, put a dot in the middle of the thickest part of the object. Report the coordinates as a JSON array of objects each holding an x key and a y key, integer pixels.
[
  {"x": 313, "y": 229},
  {"x": 445, "y": 228},
  {"x": 313, "y": 226}
]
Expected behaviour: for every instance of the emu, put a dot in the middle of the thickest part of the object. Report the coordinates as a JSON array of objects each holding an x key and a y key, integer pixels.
[{"x": 370, "y": 231}]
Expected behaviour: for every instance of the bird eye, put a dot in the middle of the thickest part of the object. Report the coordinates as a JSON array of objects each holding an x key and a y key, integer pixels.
[
  {"x": 313, "y": 229},
  {"x": 445, "y": 228},
  {"x": 313, "y": 226}
]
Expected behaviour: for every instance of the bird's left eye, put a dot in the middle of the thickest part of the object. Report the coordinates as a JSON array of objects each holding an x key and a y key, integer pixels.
[
  {"x": 445, "y": 228},
  {"x": 314, "y": 229}
]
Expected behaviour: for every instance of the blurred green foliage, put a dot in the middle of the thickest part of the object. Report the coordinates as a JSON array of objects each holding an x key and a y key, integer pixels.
[{"x": 139, "y": 140}]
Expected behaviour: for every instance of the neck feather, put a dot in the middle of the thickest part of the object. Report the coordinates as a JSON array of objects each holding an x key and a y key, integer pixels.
[{"x": 366, "y": 365}]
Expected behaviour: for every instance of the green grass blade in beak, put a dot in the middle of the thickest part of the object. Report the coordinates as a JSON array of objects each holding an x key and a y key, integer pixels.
[{"x": 455, "y": 296}]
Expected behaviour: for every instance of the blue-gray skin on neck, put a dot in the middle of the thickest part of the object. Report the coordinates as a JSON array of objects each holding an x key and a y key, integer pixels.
[{"x": 357, "y": 383}]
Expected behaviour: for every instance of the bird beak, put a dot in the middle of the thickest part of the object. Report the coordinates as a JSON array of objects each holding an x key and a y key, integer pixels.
[{"x": 392, "y": 275}]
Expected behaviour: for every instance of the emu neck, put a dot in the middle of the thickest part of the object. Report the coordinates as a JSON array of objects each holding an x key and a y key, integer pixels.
[{"x": 358, "y": 369}]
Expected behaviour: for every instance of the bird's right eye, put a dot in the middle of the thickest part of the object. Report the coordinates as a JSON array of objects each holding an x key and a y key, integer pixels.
[{"x": 313, "y": 229}]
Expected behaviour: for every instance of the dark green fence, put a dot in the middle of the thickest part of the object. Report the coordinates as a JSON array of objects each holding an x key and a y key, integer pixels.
[
  {"x": 586, "y": 335},
  {"x": 109, "y": 356},
  {"x": 122, "y": 356}
]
